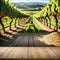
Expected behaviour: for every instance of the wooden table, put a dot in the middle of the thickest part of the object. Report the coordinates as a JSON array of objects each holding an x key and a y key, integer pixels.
[{"x": 30, "y": 53}]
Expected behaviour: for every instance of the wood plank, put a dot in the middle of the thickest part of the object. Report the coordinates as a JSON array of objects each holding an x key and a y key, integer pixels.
[
  {"x": 43, "y": 53},
  {"x": 1, "y": 47},
  {"x": 7, "y": 52},
  {"x": 51, "y": 53},
  {"x": 56, "y": 51},
  {"x": 30, "y": 52},
  {"x": 38, "y": 52},
  {"x": 18, "y": 41},
  {"x": 31, "y": 40},
  {"x": 2, "y": 50},
  {"x": 18, "y": 52},
  {"x": 38, "y": 41},
  {"x": 25, "y": 40}
]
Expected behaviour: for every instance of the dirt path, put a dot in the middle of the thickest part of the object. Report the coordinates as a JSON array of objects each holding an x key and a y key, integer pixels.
[
  {"x": 44, "y": 27},
  {"x": 53, "y": 38}
]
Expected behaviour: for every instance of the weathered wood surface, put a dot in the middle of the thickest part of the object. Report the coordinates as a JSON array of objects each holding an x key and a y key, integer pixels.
[
  {"x": 30, "y": 39},
  {"x": 30, "y": 52},
  {"x": 27, "y": 40}
]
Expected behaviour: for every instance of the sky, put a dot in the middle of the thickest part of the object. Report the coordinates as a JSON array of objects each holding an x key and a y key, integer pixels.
[{"x": 44, "y": 1}]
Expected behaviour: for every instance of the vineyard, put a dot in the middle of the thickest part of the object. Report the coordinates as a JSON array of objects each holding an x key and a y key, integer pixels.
[
  {"x": 30, "y": 30},
  {"x": 16, "y": 23}
]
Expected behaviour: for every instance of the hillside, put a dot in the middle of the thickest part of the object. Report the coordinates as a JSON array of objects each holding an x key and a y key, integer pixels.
[{"x": 29, "y": 5}]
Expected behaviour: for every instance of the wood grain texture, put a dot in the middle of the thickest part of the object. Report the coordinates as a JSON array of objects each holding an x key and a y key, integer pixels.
[
  {"x": 30, "y": 40},
  {"x": 30, "y": 52}
]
